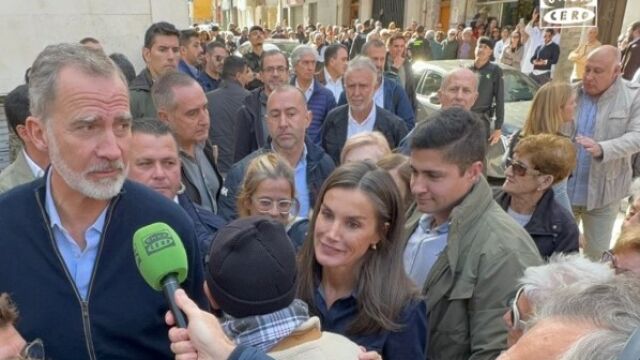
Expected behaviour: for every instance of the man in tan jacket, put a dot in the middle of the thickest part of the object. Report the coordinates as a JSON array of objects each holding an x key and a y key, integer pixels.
[{"x": 579, "y": 55}]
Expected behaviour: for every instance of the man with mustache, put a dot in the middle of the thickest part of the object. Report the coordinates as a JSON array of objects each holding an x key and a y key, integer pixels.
[
  {"x": 183, "y": 106},
  {"x": 67, "y": 256}
]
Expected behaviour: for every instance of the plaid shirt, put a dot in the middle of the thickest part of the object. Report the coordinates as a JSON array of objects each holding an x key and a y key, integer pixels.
[{"x": 265, "y": 331}]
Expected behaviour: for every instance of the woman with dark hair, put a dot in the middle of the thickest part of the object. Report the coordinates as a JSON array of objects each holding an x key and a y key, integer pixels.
[
  {"x": 351, "y": 265},
  {"x": 512, "y": 54},
  {"x": 539, "y": 162}
]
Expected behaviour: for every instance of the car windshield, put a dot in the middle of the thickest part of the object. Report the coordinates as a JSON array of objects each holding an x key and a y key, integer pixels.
[{"x": 517, "y": 86}]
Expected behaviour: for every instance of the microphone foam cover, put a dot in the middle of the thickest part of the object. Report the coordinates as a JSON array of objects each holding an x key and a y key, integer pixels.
[{"x": 159, "y": 252}]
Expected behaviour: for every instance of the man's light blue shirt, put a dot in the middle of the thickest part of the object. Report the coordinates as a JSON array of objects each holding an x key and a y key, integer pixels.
[
  {"x": 578, "y": 185},
  {"x": 423, "y": 248},
  {"x": 302, "y": 189},
  {"x": 79, "y": 262}
]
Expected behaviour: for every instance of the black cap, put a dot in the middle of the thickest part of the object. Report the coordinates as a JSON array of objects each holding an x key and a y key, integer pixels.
[
  {"x": 252, "y": 267},
  {"x": 215, "y": 28},
  {"x": 256, "y": 27}
]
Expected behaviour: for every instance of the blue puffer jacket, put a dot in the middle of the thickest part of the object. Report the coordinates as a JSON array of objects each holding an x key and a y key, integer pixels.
[
  {"x": 122, "y": 317},
  {"x": 321, "y": 102}
]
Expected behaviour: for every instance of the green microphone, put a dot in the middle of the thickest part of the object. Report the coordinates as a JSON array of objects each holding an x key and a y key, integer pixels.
[{"x": 162, "y": 262}]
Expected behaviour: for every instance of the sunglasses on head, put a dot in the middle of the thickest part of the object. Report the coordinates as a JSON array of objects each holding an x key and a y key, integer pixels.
[{"x": 520, "y": 169}]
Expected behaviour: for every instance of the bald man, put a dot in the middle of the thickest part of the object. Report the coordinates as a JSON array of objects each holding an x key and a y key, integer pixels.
[
  {"x": 459, "y": 87},
  {"x": 606, "y": 129}
]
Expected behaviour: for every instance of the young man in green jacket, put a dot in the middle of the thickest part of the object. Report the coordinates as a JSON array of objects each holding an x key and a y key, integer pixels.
[{"x": 485, "y": 250}]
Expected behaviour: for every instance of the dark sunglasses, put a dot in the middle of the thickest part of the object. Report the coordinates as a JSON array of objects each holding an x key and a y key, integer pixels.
[{"x": 520, "y": 169}]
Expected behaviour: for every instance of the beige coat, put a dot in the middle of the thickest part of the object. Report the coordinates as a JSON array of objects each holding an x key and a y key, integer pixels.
[
  {"x": 17, "y": 173},
  {"x": 579, "y": 58},
  {"x": 308, "y": 342},
  {"x": 617, "y": 130}
]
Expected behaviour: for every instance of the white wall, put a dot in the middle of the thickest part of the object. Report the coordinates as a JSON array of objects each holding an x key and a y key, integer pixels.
[
  {"x": 631, "y": 14},
  {"x": 30, "y": 25}
]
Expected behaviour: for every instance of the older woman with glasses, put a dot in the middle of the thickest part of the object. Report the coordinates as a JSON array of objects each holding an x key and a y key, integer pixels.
[
  {"x": 539, "y": 162},
  {"x": 625, "y": 255},
  {"x": 540, "y": 282},
  {"x": 268, "y": 189}
]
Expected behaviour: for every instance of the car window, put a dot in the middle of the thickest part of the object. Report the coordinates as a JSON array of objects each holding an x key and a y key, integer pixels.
[
  {"x": 430, "y": 83},
  {"x": 518, "y": 87}
]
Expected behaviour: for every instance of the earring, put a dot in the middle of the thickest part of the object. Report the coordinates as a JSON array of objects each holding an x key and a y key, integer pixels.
[{"x": 374, "y": 247}]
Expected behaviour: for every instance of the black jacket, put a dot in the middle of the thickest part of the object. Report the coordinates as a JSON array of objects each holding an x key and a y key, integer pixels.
[
  {"x": 551, "y": 227},
  {"x": 223, "y": 105},
  {"x": 336, "y": 125},
  {"x": 250, "y": 134},
  {"x": 319, "y": 166},
  {"x": 190, "y": 188},
  {"x": 140, "y": 100}
]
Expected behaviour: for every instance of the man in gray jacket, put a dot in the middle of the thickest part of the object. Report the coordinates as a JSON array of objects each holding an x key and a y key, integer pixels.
[
  {"x": 224, "y": 103},
  {"x": 607, "y": 131}
]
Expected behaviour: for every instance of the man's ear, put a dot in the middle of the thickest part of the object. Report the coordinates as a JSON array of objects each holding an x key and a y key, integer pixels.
[
  {"x": 37, "y": 133},
  {"x": 145, "y": 54},
  {"x": 474, "y": 171},
  {"x": 309, "y": 118},
  {"x": 23, "y": 134},
  {"x": 163, "y": 116}
]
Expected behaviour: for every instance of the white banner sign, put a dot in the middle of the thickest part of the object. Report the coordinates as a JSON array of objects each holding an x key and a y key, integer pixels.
[{"x": 568, "y": 13}]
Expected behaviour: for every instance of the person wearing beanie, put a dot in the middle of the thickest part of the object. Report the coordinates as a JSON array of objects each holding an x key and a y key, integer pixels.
[
  {"x": 251, "y": 277},
  {"x": 490, "y": 89}
]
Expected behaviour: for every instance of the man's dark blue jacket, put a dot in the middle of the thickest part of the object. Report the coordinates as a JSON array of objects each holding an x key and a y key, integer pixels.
[{"x": 122, "y": 317}]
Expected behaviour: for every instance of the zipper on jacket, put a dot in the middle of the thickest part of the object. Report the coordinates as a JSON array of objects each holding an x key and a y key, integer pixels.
[{"x": 84, "y": 305}]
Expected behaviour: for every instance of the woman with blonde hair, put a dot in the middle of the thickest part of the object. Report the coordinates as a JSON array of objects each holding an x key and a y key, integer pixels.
[
  {"x": 268, "y": 189},
  {"x": 365, "y": 146},
  {"x": 553, "y": 106}
]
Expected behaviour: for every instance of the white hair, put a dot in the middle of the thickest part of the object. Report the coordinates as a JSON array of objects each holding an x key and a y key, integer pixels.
[
  {"x": 612, "y": 307},
  {"x": 541, "y": 282}
]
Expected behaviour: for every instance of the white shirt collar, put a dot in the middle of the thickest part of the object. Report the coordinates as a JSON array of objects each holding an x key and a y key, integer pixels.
[
  {"x": 309, "y": 91},
  {"x": 36, "y": 170},
  {"x": 329, "y": 79},
  {"x": 369, "y": 120}
]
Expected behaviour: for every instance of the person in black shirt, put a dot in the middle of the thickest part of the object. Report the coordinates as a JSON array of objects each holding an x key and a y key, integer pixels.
[
  {"x": 490, "y": 99},
  {"x": 545, "y": 56},
  {"x": 256, "y": 38}
]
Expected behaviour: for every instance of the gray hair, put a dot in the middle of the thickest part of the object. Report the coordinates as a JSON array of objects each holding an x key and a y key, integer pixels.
[
  {"x": 162, "y": 91},
  {"x": 361, "y": 62},
  {"x": 43, "y": 78},
  {"x": 613, "y": 307},
  {"x": 300, "y": 51},
  {"x": 541, "y": 282}
]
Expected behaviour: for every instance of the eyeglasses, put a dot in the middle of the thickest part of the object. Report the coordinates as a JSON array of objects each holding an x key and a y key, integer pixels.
[
  {"x": 283, "y": 206},
  {"x": 519, "y": 168},
  {"x": 516, "y": 322},
  {"x": 608, "y": 257},
  {"x": 279, "y": 69},
  {"x": 33, "y": 350}
]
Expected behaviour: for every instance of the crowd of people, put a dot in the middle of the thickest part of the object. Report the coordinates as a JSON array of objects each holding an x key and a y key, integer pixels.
[{"x": 320, "y": 219}]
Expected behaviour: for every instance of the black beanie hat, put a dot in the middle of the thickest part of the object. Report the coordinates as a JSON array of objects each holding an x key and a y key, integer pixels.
[{"x": 252, "y": 267}]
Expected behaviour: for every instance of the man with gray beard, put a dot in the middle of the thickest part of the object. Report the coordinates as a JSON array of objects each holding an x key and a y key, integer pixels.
[{"x": 67, "y": 256}]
